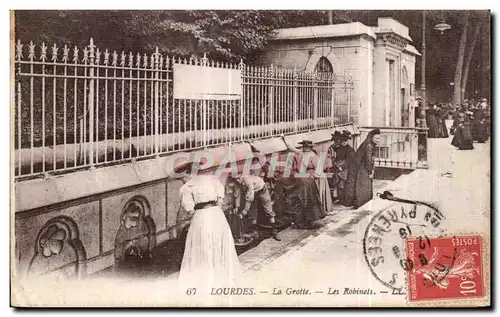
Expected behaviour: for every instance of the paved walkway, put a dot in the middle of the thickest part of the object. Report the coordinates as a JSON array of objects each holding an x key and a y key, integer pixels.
[
  {"x": 456, "y": 181},
  {"x": 321, "y": 262}
]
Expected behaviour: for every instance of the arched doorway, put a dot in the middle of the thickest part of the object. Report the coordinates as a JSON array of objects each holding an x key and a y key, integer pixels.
[
  {"x": 405, "y": 100},
  {"x": 325, "y": 92},
  {"x": 323, "y": 66}
]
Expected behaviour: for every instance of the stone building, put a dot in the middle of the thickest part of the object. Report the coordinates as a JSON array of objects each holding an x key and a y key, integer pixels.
[{"x": 379, "y": 59}]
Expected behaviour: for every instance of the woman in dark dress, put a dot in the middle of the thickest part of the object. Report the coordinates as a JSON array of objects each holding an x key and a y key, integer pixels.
[
  {"x": 463, "y": 137},
  {"x": 480, "y": 126},
  {"x": 297, "y": 197},
  {"x": 441, "y": 116},
  {"x": 341, "y": 154},
  {"x": 359, "y": 184},
  {"x": 432, "y": 123}
]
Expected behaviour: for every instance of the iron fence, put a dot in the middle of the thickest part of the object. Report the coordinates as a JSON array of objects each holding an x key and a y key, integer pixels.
[
  {"x": 81, "y": 108},
  {"x": 398, "y": 147}
]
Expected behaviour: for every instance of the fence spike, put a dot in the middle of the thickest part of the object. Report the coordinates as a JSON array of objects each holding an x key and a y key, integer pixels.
[
  {"x": 106, "y": 57},
  {"x": 92, "y": 50},
  {"x": 204, "y": 61},
  {"x": 167, "y": 62},
  {"x": 115, "y": 59},
  {"x": 31, "y": 50},
  {"x": 55, "y": 50},
  {"x": 130, "y": 59},
  {"x": 145, "y": 61},
  {"x": 65, "y": 53},
  {"x": 43, "y": 54},
  {"x": 152, "y": 61},
  {"x": 157, "y": 56},
  {"x": 75, "y": 55},
  {"x": 98, "y": 56},
  {"x": 85, "y": 54},
  {"x": 138, "y": 61},
  {"x": 161, "y": 62},
  {"x": 19, "y": 49},
  {"x": 122, "y": 59}
]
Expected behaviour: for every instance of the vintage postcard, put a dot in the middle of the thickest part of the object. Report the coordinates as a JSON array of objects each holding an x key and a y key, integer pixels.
[{"x": 250, "y": 158}]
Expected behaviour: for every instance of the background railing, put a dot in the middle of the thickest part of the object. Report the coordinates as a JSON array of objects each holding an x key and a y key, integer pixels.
[
  {"x": 398, "y": 148},
  {"x": 81, "y": 108}
]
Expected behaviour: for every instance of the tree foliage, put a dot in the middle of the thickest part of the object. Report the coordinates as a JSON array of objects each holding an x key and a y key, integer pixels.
[
  {"x": 227, "y": 35},
  {"x": 234, "y": 34}
]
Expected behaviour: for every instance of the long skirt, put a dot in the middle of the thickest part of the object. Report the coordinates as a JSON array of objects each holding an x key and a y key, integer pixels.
[
  {"x": 325, "y": 195},
  {"x": 432, "y": 124},
  {"x": 481, "y": 130},
  {"x": 210, "y": 258},
  {"x": 443, "y": 130},
  {"x": 301, "y": 197},
  {"x": 364, "y": 188},
  {"x": 359, "y": 188},
  {"x": 462, "y": 139}
]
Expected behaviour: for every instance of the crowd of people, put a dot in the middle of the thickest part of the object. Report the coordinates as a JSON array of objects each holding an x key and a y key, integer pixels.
[
  {"x": 298, "y": 195},
  {"x": 303, "y": 192},
  {"x": 471, "y": 122}
]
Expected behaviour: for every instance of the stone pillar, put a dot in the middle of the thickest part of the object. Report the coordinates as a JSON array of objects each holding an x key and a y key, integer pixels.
[{"x": 379, "y": 83}]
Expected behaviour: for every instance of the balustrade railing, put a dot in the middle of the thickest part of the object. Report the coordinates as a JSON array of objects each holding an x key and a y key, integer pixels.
[
  {"x": 80, "y": 108},
  {"x": 399, "y": 147}
]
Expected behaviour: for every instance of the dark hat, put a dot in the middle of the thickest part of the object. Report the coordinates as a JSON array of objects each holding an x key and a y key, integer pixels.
[
  {"x": 346, "y": 135},
  {"x": 375, "y": 131},
  {"x": 336, "y": 135},
  {"x": 307, "y": 143}
]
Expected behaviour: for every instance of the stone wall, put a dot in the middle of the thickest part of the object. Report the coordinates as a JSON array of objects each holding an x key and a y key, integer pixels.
[
  {"x": 349, "y": 56},
  {"x": 83, "y": 222}
]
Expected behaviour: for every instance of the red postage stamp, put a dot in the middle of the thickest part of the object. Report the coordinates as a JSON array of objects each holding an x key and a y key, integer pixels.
[{"x": 445, "y": 268}]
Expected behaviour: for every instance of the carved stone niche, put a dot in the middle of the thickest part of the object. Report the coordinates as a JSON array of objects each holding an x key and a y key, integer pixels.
[
  {"x": 58, "y": 250},
  {"x": 135, "y": 239}
]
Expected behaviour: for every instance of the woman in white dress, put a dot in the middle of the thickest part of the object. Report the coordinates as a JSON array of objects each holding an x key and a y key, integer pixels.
[{"x": 210, "y": 258}]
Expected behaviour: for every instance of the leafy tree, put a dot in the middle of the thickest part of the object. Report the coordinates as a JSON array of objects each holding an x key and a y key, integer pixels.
[
  {"x": 226, "y": 35},
  {"x": 234, "y": 34}
]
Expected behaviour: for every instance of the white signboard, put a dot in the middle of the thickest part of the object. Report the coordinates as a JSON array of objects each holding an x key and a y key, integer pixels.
[{"x": 202, "y": 82}]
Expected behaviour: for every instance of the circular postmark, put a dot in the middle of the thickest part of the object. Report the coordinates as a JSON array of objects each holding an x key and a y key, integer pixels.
[{"x": 385, "y": 235}]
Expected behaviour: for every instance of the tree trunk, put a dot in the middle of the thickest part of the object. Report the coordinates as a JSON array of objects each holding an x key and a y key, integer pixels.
[
  {"x": 460, "y": 62},
  {"x": 485, "y": 60},
  {"x": 468, "y": 59}
]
